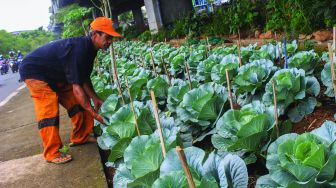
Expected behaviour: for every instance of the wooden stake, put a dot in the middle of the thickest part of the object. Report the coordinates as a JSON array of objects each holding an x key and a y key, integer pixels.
[
  {"x": 115, "y": 73},
  {"x": 229, "y": 88},
  {"x": 153, "y": 63},
  {"x": 332, "y": 67},
  {"x": 166, "y": 71},
  {"x": 142, "y": 63},
  {"x": 157, "y": 118},
  {"x": 132, "y": 106},
  {"x": 185, "y": 166},
  {"x": 188, "y": 74},
  {"x": 208, "y": 46},
  {"x": 275, "y": 109},
  {"x": 334, "y": 38},
  {"x": 310, "y": 125},
  {"x": 239, "y": 55}
]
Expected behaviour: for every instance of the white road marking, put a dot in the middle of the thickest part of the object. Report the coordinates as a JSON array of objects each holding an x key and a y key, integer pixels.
[{"x": 11, "y": 95}]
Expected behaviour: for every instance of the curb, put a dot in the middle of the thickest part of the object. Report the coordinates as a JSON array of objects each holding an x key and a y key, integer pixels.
[{"x": 2, "y": 103}]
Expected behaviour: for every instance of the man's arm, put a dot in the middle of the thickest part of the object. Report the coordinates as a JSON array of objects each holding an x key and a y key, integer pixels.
[
  {"x": 84, "y": 101},
  {"x": 88, "y": 88}
]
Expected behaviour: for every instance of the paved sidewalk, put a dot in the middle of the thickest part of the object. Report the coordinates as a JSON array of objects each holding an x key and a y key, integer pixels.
[{"x": 21, "y": 160}]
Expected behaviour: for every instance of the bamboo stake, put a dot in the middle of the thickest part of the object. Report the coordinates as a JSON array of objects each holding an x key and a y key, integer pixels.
[
  {"x": 239, "y": 55},
  {"x": 157, "y": 119},
  {"x": 115, "y": 73},
  {"x": 312, "y": 123},
  {"x": 229, "y": 88},
  {"x": 275, "y": 109},
  {"x": 142, "y": 62},
  {"x": 208, "y": 46},
  {"x": 334, "y": 38},
  {"x": 98, "y": 67},
  {"x": 153, "y": 63},
  {"x": 185, "y": 166},
  {"x": 166, "y": 71},
  {"x": 188, "y": 74},
  {"x": 332, "y": 67},
  {"x": 132, "y": 106}
]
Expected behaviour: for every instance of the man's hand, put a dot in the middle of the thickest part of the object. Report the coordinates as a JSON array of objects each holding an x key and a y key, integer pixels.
[
  {"x": 99, "y": 118},
  {"x": 97, "y": 103},
  {"x": 83, "y": 100}
]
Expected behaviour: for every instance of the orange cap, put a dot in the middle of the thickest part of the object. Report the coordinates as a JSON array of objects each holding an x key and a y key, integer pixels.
[{"x": 104, "y": 24}]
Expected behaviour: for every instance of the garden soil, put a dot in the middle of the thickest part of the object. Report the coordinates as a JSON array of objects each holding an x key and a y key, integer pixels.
[{"x": 21, "y": 159}]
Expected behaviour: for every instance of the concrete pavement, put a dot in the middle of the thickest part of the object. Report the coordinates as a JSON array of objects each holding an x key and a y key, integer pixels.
[{"x": 21, "y": 160}]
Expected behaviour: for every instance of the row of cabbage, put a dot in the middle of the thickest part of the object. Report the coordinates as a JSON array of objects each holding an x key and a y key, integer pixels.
[{"x": 193, "y": 110}]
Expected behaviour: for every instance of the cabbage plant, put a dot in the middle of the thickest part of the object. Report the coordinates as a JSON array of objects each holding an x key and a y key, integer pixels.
[
  {"x": 207, "y": 171},
  {"x": 122, "y": 128},
  {"x": 306, "y": 60},
  {"x": 143, "y": 157},
  {"x": 326, "y": 78},
  {"x": 295, "y": 93},
  {"x": 204, "y": 69},
  {"x": 307, "y": 160},
  {"x": 247, "y": 129},
  {"x": 202, "y": 105},
  {"x": 252, "y": 78},
  {"x": 218, "y": 73}
]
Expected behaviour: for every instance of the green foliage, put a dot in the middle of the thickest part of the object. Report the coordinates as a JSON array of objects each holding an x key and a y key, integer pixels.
[
  {"x": 25, "y": 41},
  {"x": 145, "y": 36},
  {"x": 75, "y": 20}
]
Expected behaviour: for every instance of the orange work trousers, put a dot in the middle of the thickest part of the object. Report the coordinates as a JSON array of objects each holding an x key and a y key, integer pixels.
[{"x": 46, "y": 102}]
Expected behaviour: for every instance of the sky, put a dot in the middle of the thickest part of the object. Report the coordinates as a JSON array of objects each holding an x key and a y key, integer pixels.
[{"x": 18, "y": 15}]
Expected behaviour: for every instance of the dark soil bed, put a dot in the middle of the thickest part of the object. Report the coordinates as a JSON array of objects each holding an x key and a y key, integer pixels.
[{"x": 324, "y": 112}]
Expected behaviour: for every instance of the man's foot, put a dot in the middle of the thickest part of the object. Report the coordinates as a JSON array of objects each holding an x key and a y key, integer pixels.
[
  {"x": 90, "y": 139},
  {"x": 63, "y": 158}
]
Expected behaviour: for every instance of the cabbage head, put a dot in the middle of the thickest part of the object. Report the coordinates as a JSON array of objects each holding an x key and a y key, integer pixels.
[
  {"x": 247, "y": 129},
  {"x": 202, "y": 105},
  {"x": 307, "y": 160},
  {"x": 306, "y": 60},
  {"x": 295, "y": 93}
]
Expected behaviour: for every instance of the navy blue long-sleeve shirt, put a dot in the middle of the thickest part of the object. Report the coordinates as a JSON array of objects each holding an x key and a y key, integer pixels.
[{"x": 67, "y": 60}]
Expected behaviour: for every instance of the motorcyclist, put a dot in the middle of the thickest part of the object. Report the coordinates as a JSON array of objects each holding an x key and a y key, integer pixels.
[
  {"x": 19, "y": 54},
  {"x": 13, "y": 61}
]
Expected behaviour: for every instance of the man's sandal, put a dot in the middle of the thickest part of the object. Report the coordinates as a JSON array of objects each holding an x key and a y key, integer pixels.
[
  {"x": 63, "y": 158},
  {"x": 90, "y": 139}
]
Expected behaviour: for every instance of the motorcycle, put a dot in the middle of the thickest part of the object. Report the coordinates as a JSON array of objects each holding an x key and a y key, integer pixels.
[
  {"x": 13, "y": 65},
  {"x": 3, "y": 67}
]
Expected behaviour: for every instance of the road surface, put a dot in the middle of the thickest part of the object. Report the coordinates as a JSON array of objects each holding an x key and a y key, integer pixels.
[{"x": 8, "y": 84}]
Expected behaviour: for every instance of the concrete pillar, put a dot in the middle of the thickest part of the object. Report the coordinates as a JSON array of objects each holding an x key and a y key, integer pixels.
[
  {"x": 172, "y": 10},
  {"x": 138, "y": 18},
  {"x": 154, "y": 15},
  {"x": 115, "y": 20}
]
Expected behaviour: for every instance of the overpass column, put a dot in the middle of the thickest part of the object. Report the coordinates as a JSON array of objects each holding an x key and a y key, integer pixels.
[
  {"x": 138, "y": 18},
  {"x": 154, "y": 15},
  {"x": 115, "y": 20}
]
